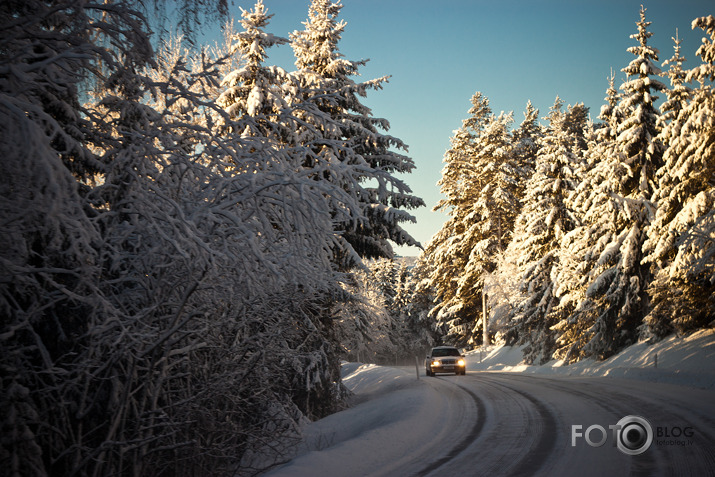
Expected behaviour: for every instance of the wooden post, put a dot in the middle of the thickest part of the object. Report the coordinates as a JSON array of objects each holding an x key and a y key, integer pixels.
[{"x": 485, "y": 321}]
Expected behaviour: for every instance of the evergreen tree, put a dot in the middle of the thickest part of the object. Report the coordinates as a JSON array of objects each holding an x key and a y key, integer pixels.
[
  {"x": 365, "y": 328},
  {"x": 681, "y": 246},
  {"x": 490, "y": 220},
  {"x": 413, "y": 305},
  {"x": 678, "y": 93},
  {"x": 253, "y": 96},
  {"x": 448, "y": 251},
  {"x": 351, "y": 136},
  {"x": 542, "y": 225},
  {"x": 384, "y": 275},
  {"x": 481, "y": 181},
  {"x": 266, "y": 115},
  {"x": 641, "y": 151},
  {"x": 525, "y": 141},
  {"x": 619, "y": 212},
  {"x": 577, "y": 254}
]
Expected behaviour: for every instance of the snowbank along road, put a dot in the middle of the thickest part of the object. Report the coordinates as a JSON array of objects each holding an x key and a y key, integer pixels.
[{"x": 511, "y": 424}]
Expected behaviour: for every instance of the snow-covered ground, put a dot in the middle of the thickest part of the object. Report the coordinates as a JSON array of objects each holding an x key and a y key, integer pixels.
[
  {"x": 401, "y": 425},
  {"x": 687, "y": 361}
]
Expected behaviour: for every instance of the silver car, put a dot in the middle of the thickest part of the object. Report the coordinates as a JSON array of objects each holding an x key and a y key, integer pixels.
[{"x": 445, "y": 359}]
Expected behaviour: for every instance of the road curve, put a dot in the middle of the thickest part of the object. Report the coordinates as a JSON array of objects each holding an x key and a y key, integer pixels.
[
  {"x": 507, "y": 424},
  {"x": 527, "y": 421}
]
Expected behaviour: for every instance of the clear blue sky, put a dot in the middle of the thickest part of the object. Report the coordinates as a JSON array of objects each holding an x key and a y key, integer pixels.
[{"x": 440, "y": 52}]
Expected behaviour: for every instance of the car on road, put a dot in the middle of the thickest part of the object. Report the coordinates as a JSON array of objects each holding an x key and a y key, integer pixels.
[{"x": 445, "y": 359}]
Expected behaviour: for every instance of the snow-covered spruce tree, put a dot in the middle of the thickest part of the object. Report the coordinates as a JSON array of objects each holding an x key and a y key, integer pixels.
[
  {"x": 364, "y": 326},
  {"x": 53, "y": 397},
  {"x": 618, "y": 212},
  {"x": 264, "y": 119},
  {"x": 384, "y": 277},
  {"x": 525, "y": 141},
  {"x": 481, "y": 180},
  {"x": 413, "y": 305},
  {"x": 446, "y": 255},
  {"x": 407, "y": 331},
  {"x": 575, "y": 254},
  {"x": 490, "y": 221},
  {"x": 350, "y": 136},
  {"x": 253, "y": 96},
  {"x": 159, "y": 316},
  {"x": 542, "y": 225},
  {"x": 681, "y": 243},
  {"x": 641, "y": 151},
  {"x": 501, "y": 299},
  {"x": 423, "y": 297},
  {"x": 678, "y": 94}
]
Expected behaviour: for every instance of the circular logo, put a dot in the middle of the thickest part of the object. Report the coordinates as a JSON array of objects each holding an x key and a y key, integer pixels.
[{"x": 634, "y": 435}]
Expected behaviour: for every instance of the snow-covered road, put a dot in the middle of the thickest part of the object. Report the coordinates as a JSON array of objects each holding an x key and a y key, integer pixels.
[
  {"x": 506, "y": 424},
  {"x": 525, "y": 422},
  {"x": 527, "y": 427}
]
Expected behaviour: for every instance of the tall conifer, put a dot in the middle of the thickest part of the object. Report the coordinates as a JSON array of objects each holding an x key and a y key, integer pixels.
[{"x": 681, "y": 243}]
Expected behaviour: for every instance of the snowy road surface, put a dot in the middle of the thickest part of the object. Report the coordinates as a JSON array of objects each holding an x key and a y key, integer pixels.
[{"x": 506, "y": 424}]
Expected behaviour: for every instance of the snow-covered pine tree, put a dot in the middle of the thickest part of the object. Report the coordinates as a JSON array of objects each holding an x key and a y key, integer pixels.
[
  {"x": 365, "y": 328},
  {"x": 413, "y": 304},
  {"x": 681, "y": 244},
  {"x": 138, "y": 287},
  {"x": 641, "y": 151},
  {"x": 542, "y": 225},
  {"x": 525, "y": 140},
  {"x": 350, "y": 136},
  {"x": 266, "y": 116},
  {"x": 678, "y": 94},
  {"x": 52, "y": 288},
  {"x": 253, "y": 96},
  {"x": 502, "y": 285},
  {"x": 445, "y": 256},
  {"x": 406, "y": 331},
  {"x": 490, "y": 220},
  {"x": 481, "y": 183},
  {"x": 605, "y": 132},
  {"x": 383, "y": 274},
  {"x": 390, "y": 277},
  {"x": 575, "y": 255},
  {"x": 617, "y": 213}
]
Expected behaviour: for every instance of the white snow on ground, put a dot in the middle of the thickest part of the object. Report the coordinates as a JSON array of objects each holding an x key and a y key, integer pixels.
[
  {"x": 687, "y": 361},
  {"x": 392, "y": 409},
  {"x": 381, "y": 421}
]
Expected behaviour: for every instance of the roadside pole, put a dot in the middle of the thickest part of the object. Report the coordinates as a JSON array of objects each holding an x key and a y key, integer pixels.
[
  {"x": 417, "y": 367},
  {"x": 485, "y": 323}
]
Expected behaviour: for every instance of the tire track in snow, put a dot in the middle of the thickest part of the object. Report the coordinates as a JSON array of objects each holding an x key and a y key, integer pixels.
[
  {"x": 518, "y": 435},
  {"x": 619, "y": 402},
  {"x": 467, "y": 440},
  {"x": 542, "y": 430},
  {"x": 663, "y": 460},
  {"x": 642, "y": 466},
  {"x": 535, "y": 458}
]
